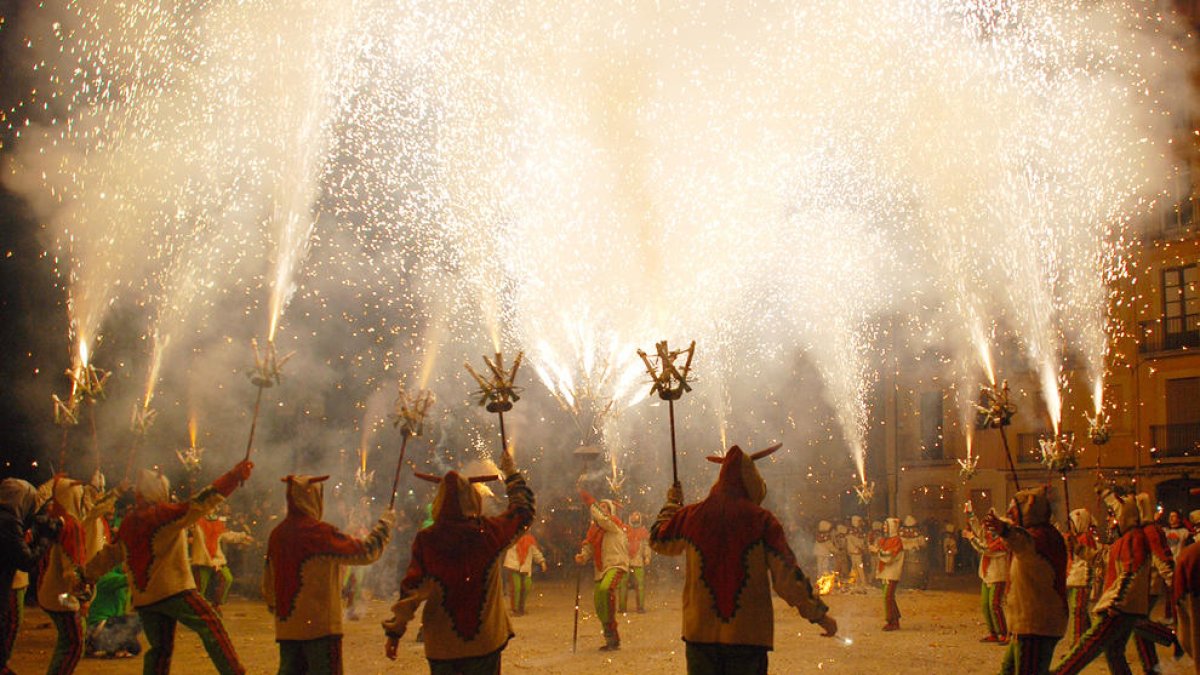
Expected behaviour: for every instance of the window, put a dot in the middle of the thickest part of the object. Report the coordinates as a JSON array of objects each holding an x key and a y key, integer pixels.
[
  {"x": 1181, "y": 304},
  {"x": 931, "y": 425}
]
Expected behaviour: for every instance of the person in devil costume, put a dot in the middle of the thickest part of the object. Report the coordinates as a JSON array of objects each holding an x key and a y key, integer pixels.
[
  {"x": 736, "y": 551},
  {"x": 889, "y": 567},
  {"x": 152, "y": 543},
  {"x": 1036, "y": 601},
  {"x": 1125, "y": 599},
  {"x": 607, "y": 546},
  {"x": 60, "y": 574},
  {"x": 456, "y": 571},
  {"x": 302, "y": 583}
]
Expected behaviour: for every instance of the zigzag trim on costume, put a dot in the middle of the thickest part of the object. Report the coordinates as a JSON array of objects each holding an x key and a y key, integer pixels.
[{"x": 368, "y": 549}]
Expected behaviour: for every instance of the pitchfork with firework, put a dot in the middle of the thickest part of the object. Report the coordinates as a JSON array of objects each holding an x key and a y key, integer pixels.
[
  {"x": 497, "y": 391},
  {"x": 87, "y": 386},
  {"x": 265, "y": 374},
  {"x": 409, "y": 415},
  {"x": 670, "y": 383},
  {"x": 995, "y": 411}
]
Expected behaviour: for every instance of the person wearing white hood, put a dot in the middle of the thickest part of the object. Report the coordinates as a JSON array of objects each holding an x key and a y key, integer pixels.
[
  {"x": 889, "y": 555},
  {"x": 824, "y": 550},
  {"x": 60, "y": 574},
  {"x": 152, "y": 543},
  {"x": 1083, "y": 547},
  {"x": 856, "y": 546},
  {"x": 19, "y": 516}
]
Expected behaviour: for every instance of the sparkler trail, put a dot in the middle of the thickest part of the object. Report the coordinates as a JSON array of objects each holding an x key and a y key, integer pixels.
[{"x": 571, "y": 180}]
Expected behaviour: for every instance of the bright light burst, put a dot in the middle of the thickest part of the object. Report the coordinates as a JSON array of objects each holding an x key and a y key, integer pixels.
[{"x": 582, "y": 177}]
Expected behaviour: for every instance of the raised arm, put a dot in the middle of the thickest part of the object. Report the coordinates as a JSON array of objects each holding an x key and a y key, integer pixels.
[{"x": 665, "y": 535}]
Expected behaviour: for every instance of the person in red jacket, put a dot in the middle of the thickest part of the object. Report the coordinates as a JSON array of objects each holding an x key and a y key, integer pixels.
[
  {"x": 639, "y": 556},
  {"x": 1147, "y": 633},
  {"x": 736, "y": 551},
  {"x": 1125, "y": 598},
  {"x": 152, "y": 543},
  {"x": 456, "y": 569}
]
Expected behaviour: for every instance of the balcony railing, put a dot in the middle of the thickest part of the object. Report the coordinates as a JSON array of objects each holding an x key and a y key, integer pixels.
[
  {"x": 1170, "y": 334},
  {"x": 1175, "y": 440}
]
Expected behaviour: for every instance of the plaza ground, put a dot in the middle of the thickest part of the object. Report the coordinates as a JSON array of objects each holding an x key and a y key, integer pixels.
[{"x": 940, "y": 634}]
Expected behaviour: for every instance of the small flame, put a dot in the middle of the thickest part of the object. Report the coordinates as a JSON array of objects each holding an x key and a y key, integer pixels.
[
  {"x": 83, "y": 352},
  {"x": 826, "y": 583},
  {"x": 970, "y": 439},
  {"x": 1098, "y": 396},
  {"x": 192, "y": 425}
]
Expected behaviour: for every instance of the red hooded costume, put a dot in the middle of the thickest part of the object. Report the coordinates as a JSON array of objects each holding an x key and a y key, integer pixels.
[
  {"x": 305, "y": 556},
  {"x": 455, "y": 570},
  {"x": 736, "y": 551}
]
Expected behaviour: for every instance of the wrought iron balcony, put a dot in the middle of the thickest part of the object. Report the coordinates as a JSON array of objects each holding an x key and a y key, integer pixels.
[
  {"x": 1170, "y": 334},
  {"x": 1175, "y": 440}
]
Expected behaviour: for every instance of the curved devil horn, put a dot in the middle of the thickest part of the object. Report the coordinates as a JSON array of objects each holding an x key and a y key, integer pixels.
[
  {"x": 715, "y": 460},
  {"x": 763, "y": 453},
  {"x": 427, "y": 477},
  {"x": 483, "y": 479}
]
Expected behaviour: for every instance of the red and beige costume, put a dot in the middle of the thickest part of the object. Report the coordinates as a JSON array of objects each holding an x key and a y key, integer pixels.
[
  {"x": 994, "y": 559},
  {"x": 209, "y": 564},
  {"x": 60, "y": 574},
  {"x": 1083, "y": 549},
  {"x": 519, "y": 560},
  {"x": 1125, "y": 598},
  {"x": 608, "y": 548},
  {"x": 1147, "y": 632},
  {"x": 302, "y": 580},
  {"x": 889, "y": 567},
  {"x": 455, "y": 570},
  {"x": 151, "y": 541},
  {"x": 1036, "y": 601},
  {"x": 736, "y": 551},
  {"x": 639, "y": 557}
]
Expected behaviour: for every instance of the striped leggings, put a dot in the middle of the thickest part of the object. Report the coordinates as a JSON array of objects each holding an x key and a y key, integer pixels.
[
  {"x": 891, "y": 611},
  {"x": 68, "y": 649},
  {"x": 992, "y": 601},
  {"x": 605, "y": 598},
  {"x": 194, "y": 612},
  {"x": 1078, "y": 618},
  {"x": 1109, "y": 634}
]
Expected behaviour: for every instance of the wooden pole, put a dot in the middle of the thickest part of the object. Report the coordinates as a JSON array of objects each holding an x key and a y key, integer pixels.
[
  {"x": 1012, "y": 469},
  {"x": 253, "y": 423},
  {"x": 399, "y": 464},
  {"x": 674, "y": 461},
  {"x": 503, "y": 434}
]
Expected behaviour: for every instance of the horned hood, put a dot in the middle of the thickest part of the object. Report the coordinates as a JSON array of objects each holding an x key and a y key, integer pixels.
[
  {"x": 20, "y": 497},
  {"x": 68, "y": 495},
  {"x": 1123, "y": 508},
  {"x": 456, "y": 498},
  {"x": 306, "y": 495},
  {"x": 1030, "y": 507},
  {"x": 1081, "y": 520},
  {"x": 739, "y": 477},
  {"x": 1146, "y": 510},
  {"x": 152, "y": 487}
]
